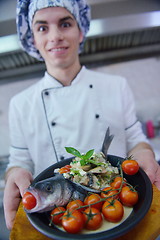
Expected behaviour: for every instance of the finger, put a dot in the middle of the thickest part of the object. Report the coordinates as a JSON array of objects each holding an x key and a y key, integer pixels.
[
  {"x": 16, "y": 184},
  {"x": 10, "y": 207},
  {"x": 151, "y": 170},
  {"x": 157, "y": 178},
  {"x": 24, "y": 185},
  {"x": 10, "y": 216},
  {"x": 25, "y": 182},
  {"x": 151, "y": 176}
]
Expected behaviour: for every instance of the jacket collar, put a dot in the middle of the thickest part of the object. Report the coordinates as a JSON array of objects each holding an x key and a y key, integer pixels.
[{"x": 51, "y": 82}]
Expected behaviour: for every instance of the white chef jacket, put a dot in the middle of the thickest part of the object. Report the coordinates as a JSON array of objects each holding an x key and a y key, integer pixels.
[{"x": 48, "y": 116}]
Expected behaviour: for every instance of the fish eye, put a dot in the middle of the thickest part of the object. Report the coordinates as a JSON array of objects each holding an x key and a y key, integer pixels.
[{"x": 48, "y": 188}]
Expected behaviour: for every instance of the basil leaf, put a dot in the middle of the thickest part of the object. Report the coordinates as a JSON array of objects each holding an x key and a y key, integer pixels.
[
  {"x": 82, "y": 162},
  {"x": 73, "y": 151},
  {"x": 88, "y": 154},
  {"x": 94, "y": 162}
]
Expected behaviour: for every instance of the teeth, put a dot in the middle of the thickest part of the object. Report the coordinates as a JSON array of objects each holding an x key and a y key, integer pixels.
[{"x": 57, "y": 49}]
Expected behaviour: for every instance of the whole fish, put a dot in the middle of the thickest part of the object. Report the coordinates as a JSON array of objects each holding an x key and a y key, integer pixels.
[{"x": 57, "y": 190}]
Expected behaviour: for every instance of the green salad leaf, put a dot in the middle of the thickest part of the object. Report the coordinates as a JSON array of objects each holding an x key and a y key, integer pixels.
[
  {"x": 88, "y": 154},
  {"x": 73, "y": 151},
  {"x": 84, "y": 157}
]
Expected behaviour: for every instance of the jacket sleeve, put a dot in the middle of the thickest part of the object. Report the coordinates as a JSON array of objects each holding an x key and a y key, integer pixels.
[{"x": 19, "y": 153}]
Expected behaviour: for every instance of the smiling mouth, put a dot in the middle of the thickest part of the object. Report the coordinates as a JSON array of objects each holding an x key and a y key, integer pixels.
[{"x": 58, "y": 49}]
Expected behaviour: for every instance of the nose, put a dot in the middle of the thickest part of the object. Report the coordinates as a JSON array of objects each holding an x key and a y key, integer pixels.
[{"x": 55, "y": 35}]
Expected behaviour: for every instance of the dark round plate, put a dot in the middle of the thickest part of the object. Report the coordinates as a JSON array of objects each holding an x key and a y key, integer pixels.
[{"x": 143, "y": 185}]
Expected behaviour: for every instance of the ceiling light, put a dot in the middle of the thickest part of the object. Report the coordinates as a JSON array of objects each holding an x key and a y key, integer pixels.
[{"x": 9, "y": 43}]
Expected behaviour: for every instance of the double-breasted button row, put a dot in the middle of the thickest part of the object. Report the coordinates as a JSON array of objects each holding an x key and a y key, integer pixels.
[{"x": 53, "y": 124}]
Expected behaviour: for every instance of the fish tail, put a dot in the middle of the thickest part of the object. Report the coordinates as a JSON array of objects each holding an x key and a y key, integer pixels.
[{"x": 107, "y": 141}]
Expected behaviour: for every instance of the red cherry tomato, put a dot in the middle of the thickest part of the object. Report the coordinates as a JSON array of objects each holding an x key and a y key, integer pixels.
[
  {"x": 73, "y": 222},
  {"x": 130, "y": 166},
  {"x": 65, "y": 169},
  {"x": 93, "y": 198},
  {"x": 73, "y": 205},
  {"x": 109, "y": 192},
  {"x": 93, "y": 218},
  {"x": 29, "y": 201},
  {"x": 128, "y": 196},
  {"x": 113, "y": 210},
  {"x": 55, "y": 217},
  {"x": 118, "y": 182}
]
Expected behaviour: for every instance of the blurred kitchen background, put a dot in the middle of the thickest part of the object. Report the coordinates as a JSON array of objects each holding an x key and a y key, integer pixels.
[{"x": 124, "y": 39}]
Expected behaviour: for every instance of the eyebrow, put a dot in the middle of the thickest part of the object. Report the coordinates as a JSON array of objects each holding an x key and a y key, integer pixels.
[
  {"x": 40, "y": 22},
  {"x": 67, "y": 18},
  {"x": 61, "y": 20}
]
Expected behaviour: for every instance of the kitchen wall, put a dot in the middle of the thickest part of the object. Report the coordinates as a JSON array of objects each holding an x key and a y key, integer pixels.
[{"x": 143, "y": 77}]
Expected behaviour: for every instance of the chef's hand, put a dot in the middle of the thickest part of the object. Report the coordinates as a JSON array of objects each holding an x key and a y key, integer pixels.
[
  {"x": 144, "y": 155},
  {"x": 17, "y": 180}
]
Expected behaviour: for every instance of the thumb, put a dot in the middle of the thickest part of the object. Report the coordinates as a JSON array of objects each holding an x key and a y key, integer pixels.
[
  {"x": 157, "y": 179},
  {"x": 150, "y": 175},
  {"x": 25, "y": 182}
]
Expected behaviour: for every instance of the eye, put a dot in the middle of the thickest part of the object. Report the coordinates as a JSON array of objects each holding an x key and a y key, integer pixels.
[
  {"x": 65, "y": 24},
  {"x": 42, "y": 28},
  {"x": 49, "y": 188}
]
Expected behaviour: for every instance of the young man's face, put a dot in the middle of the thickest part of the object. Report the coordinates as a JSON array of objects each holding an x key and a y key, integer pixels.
[{"x": 57, "y": 37}]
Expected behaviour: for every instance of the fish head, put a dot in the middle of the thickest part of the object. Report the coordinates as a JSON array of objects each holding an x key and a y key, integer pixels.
[
  {"x": 45, "y": 187},
  {"x": 49, "y": 193}
]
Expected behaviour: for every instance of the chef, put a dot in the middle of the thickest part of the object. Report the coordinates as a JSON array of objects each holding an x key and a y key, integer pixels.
[{"x": 70, "y": 105}]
